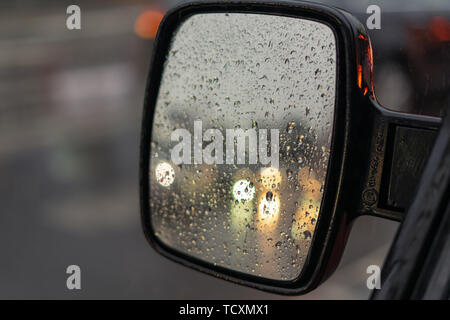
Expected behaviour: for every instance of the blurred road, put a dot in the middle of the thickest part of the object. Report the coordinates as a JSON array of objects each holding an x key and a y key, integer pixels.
[{"x": 69, "y": 131}]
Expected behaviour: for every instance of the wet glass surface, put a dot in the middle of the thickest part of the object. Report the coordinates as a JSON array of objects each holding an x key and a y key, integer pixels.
[{"x": 241, "y": 140}]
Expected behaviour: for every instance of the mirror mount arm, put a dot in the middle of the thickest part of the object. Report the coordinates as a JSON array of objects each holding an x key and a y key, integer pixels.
[{"x": 399, "y": 147}]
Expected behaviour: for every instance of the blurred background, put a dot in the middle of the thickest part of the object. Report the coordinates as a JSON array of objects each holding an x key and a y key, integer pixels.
[{"x": 70, "y": 109}]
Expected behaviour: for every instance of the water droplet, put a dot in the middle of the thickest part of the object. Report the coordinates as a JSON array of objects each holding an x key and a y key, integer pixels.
[
  {"x": 307, "y": 235},
  {"x": 290, "y": 127}
]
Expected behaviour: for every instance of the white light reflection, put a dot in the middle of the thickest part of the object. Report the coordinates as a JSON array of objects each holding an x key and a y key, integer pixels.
[
  {"x": 243, "y": 190},
  {"x": 165, "y": 174}
]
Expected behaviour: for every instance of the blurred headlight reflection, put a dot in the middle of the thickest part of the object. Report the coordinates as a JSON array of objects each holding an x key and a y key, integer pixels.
[
  {"x": 243, "y": 190},
  {"x": 305, "y": 219},
  {"x": 310, "y": 186},
  {"x": 308, "y": 205},
  {"x": 269, "y": 210},
  {"x": 165, "y": 174}
]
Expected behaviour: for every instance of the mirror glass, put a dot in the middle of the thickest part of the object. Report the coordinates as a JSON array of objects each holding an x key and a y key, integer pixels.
[{"x": 241, "y": 140}]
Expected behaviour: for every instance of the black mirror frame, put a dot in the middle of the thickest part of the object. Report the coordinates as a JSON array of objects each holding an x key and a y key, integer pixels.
[{"x": 353, "y": 89}]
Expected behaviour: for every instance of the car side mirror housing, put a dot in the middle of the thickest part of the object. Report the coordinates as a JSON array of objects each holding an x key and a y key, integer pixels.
[{"x": 262, "y": 140}]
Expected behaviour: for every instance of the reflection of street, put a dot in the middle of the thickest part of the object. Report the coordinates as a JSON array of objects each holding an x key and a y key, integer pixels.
[{"x": 69, "y": 134}]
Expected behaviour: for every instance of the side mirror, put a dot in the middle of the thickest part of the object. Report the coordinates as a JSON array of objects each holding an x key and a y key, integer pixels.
[{"x": 262, "y": 140}]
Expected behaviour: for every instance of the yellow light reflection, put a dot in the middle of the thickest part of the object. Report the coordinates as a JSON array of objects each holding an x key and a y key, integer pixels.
[
  {"x": 305, "y": 219},
  {"x": 165, "y": 174},
  {"x": 268, "y": 199},
  {"x": 310, "y": 186},
  {"x": 268, "y": 210},
  {"x": 308, "y": 206}
]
